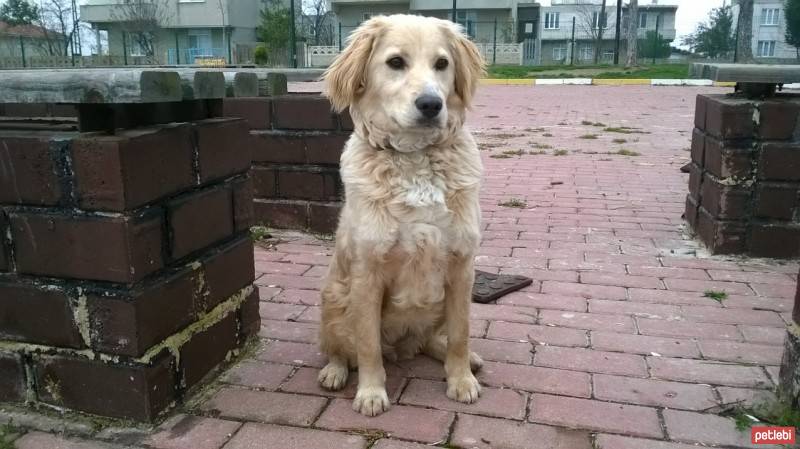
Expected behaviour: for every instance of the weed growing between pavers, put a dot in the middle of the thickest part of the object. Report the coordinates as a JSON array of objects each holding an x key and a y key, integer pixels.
[
  {"x": 499, "y": 156},
  {"x": 560, "y": 153},
  {"x": 513, "y": 202},
  {"x": 588, "y": 136},
  {"x": 259, "y": 233},
  {"x": 541, "y": 146},
  {"x": 514, "y": 152},
  {"x": 620, "y": 141},
  {"x": 547, "y": 135},
  {"x": 626, "y": 152},
  {"x": 771, "y": 413},
  {"x": 537, "y": 152},
  {"x": 716, "y": 295},
  {"x": 624, "y": 130},
  {"x": 534, "y": 130}
]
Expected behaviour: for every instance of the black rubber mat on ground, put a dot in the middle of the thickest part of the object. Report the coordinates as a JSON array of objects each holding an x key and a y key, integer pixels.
[{"x": 489, "y": 286}]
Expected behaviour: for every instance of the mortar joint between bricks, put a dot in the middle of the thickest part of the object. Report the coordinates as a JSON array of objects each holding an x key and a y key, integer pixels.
[{"x": 195, "y": 141}]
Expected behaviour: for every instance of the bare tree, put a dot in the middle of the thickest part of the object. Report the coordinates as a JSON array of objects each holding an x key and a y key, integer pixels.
[
  {"x": 316, "y": 13},
  {"x": 633, "y": 33},
  {"x": 141, "y": 20},
  {"x": 593, "y": 23},
  {"x": 744, "y": 32},
  {"x": 56, "y": 21}
]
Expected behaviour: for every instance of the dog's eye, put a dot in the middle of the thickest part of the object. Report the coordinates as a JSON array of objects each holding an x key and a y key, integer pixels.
[
  {"x": 396, "y": 63},
  {"x": 441, "y": 64}
]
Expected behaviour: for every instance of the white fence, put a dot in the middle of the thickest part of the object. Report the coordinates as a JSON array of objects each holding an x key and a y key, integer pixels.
[{"x": 322, "y": 56}]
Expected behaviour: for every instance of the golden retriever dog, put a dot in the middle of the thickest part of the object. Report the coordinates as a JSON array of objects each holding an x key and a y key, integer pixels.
[{"x": 400, "y": 281}]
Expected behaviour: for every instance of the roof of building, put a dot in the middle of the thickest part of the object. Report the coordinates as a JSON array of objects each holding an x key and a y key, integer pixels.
[{"x": 29, "y": 31}]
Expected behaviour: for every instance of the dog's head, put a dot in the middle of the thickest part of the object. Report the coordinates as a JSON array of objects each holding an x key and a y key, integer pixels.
[{"x": 406, "y": 79}]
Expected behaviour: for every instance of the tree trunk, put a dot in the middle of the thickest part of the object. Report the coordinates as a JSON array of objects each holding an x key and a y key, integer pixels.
[
  {"x": 744, "y": 31},
  {"x": 600, "y": 24},
  {"x": 633, "y": 33}
]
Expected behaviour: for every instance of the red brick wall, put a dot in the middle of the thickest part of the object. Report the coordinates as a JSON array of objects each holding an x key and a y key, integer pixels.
[
  {"x": 126, "y": 267},
  {"x": 296, "y": 142},
  {"x": 744, "y": 181}
]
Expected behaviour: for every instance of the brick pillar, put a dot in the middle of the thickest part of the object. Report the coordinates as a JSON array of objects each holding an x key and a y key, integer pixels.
[
  {"x": 790, "y": 365},
  {"x": 126, "y": 266},
  {"x": 744, "y": 180},
  {"x": 297, "y": 143}
]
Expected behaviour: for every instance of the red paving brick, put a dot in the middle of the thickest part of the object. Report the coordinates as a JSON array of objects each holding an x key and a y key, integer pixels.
[
  {"x": 707, "y": 371},
  {"x": 594, "y": 238},
  {"x": 645, "y": 345},
  {"x": 495, "y": 402},
  {"x": 535, "y": 379},
  {"x": 657, "y": 393},
  {"x": 488, "y": 433},
  {"x": 256, "y": 374},
  {"x": 704, "y": 428},
  {"x": 182, "y": 431},
  {"x": 590, "y": 360},
  {"x": 595, "y": 415},
  {"x": 254, "y": 436},
  {"x": 559, "y": 336},
  {"x": 262, "y": 406},
  {"x": 410, "y": 423}
]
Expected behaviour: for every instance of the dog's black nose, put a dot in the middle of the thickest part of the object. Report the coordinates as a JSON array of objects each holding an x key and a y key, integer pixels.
[{"x": 429, "y": 105}]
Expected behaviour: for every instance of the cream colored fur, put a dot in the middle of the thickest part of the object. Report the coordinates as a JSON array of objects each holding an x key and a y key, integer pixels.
[{"x": 401, "y": 277}]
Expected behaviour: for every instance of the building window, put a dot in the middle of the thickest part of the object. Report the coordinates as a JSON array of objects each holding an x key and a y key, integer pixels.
[
  {"x": 587, "y": 53},
  {"x": 766, "y": 49},
  {"x": 643, "y": 20},
  {"x": 467, "y": 19},
  {"x": 596, "y": 17},
  {"x": 551, "y": 21},
  {"x": 139, "y": 44},
  {"x": 200, "y": 39},
  {"x": 769, "y": 16},
  {"x": 559, "y": 53},
  {"x": 608, "y": 55}
]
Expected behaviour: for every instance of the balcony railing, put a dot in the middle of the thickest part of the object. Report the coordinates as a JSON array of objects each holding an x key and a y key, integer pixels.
[{"x": 194, "y": 55}]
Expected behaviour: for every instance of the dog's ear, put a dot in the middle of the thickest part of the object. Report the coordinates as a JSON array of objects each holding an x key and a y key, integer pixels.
[
  {"x": 469, "y": 64},
  {"x": 346, "y": 76}
]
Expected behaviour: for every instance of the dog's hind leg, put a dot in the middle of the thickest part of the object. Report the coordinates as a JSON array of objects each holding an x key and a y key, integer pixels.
[{"x": 436, "y": 347}]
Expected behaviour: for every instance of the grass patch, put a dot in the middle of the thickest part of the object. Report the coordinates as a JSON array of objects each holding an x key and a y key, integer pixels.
[
  {"x": 259, "y": 233},
  {"x": 7, "y": 433},
  {"x": 547, "y": 135},
  {"x": 499, "y": 156},
  {"x": 514, "y": 152},
  {"x": 620, "y": 141},
  {"x": 716, "y": 295},
  {"x": 626, "y": 152},
  {"x": 588, "y": 136},
  {"x": 541, "y": 146},
  {"x": 598, "y": 124},
  {"x": 537, "y": 152},
  {"x": 506, "y": 135},
  {"x": 534, "y": 130},
  {"x": 586, "y": 123},
  {"x": 772, "y": 413},
  {"x": 560, "y": 153},
  {"x": 513, "y": 202},
  {"x": 605, "y": 71},
  {"x": 624, "y": 130}
]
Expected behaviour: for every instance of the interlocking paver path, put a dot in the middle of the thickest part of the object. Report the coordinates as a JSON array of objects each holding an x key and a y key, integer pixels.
[{"x": 614, "y": 345}]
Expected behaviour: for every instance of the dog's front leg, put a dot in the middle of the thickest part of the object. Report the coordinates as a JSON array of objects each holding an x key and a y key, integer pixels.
[
  {"x": 462, "y": 385},
  {"x": 366, "y": 296}
]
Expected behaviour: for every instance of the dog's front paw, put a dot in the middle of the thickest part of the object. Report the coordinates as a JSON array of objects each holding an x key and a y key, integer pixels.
[
  {"x": 463, "y": 389},
  {"x": 333, "y": 376},
  {"x": 371, "y": 401}
]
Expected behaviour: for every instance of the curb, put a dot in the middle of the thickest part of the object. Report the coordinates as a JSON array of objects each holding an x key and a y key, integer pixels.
[{"x": 610, "y": 82}]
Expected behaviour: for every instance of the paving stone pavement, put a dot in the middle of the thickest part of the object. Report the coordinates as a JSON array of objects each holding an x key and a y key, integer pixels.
[{"x": 614, "y": 346}]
